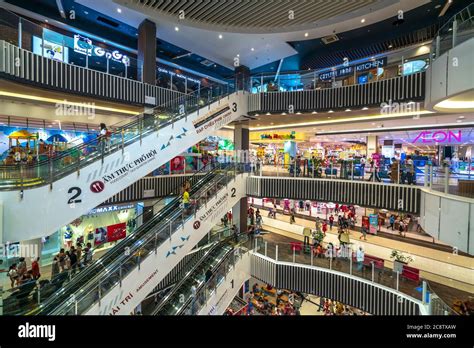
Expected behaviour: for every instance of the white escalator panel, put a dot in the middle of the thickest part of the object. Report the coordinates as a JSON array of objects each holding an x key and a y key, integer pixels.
[
  {"x": 124, "y": 297},
  {"x": 40, "y": 211}
]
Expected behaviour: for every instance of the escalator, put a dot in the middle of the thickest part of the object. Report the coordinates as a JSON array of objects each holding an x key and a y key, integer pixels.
[
  {"x": 178, "y": 299},
  {"x": 63, "y": 185},
  {"x": 142, "y": 259}
]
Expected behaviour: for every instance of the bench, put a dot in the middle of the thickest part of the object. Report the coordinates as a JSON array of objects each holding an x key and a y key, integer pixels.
[{"x": 411, "y": 273}]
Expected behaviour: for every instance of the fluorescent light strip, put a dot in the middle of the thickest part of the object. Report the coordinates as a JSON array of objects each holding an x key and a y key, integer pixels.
[
  {"x": 59, "y": 101},
  {"x": 384, "y": 129},
  {"x": 352, "y": 119}
]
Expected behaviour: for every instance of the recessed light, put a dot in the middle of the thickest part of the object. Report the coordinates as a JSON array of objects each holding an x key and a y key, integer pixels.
[
  {"x": 283, "y": 113},
  {"x": 272, "y": 123},
  {"x": 256, "y": 114},
  {"x": 365, "y": 108},
  {"x": 329, "y": 117},
  {"x": 46, "y": 20},
  {"x": 373, "y": 123},
  {"x": 330, "y": 111},
  {"x": 461, "y": 117},
  {"x": 238, "y": 55},
  {"x": 176, "y": 28},
  {"x": 314, "y": 112},
  {"x": 268, "y": 114},
  {"x": 306, "y": 34},
  {"x": 459, "y": 121},
  {"x": 258, "y": 125},
  {"x": 252, "y": 49},
  {"x": 298, "y": 113},
  {"x": 362, "y": 20},
  {"x": 220, "y": 36},
  {"x": 119, "y": 10},
  {"x": 347, "y": 110},
  {"x": 390, "y": 46}
]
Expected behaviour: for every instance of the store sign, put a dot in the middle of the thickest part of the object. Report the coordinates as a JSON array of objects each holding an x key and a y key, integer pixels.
[
  {"x": 116, "y": 232},
  {"x": 83, "y": 45},
  {"x": 348, "y": 70},
  {"x": 289, "y": 136},
  {"x": 110, "y": 209},
  {"x": 214, "y": 120},
  {"x": 444, "y": 137},
  {"x": 172, "y": 73}
]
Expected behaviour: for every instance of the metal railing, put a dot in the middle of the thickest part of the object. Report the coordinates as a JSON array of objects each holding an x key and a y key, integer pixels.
[
  {"x": 343, "y": 258},
  {"x": 51, "y": 168}
]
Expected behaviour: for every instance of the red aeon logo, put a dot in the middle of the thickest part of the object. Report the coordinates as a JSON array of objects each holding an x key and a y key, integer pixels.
[
  {"x": 97, "y": 186},
  {"x": 196, "y": 225}
]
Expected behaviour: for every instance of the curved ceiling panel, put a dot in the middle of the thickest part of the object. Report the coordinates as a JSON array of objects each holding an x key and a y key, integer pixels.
[{"x": 257, "y": 16}]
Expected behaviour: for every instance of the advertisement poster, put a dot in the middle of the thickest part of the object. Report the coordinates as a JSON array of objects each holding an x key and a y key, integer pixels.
[
  {"x": 177, "y": 164},
  {"x": 162, "y": 170},
  {"x": 100, "y": 236},
  {"x": 116, "y": 232},
  {"x": 192, "y": 163},
  {"x": 374, "y": 223}
]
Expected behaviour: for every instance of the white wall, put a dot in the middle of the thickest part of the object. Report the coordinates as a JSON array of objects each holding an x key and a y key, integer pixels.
[
  {"x": 121, "y": 300},
  {"x": 42, "y": 211}
]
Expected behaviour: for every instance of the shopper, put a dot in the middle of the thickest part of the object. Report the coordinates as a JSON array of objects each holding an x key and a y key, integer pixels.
[
  {"x": 21, "y": 268},
  {"x": 306, "y": 234},
  {"x": 392, "y": 221},
  {"x": 61, "y": 256},
  {"x": 410, "y": 169},
  {"x": 103, "y": 134},
  {"x": 208, "y": 274},
  {"x": 401, "y": 227},
  {"x": 364, "y": 233},
  {"x": 79, "y": 254},
  {"x": 292, "y": 216},
  {"x": 331, "y": 222},
  {"x": 185, "y": 201},
  {"x": 258, "y": 219},
  {"x": 318, "y": 224},
  {"x": 55, "y": 267},
  {"x": 360, "y": 255},
  {"x": 88, "y": 254},
  {"x": 35, "y": 270},
  {"x": 362, "y": 166},
  {"x": 73, "y": 260},
  {"x": 13, "y": 275}
]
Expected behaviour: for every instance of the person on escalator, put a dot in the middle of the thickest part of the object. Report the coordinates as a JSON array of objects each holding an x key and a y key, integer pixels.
[
  {"x": 185, "y": 200},
  {"x": 73, "y": 258},
  {"x": 208, "y": 274}
]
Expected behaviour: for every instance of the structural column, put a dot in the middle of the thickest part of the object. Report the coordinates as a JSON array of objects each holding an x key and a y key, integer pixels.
[
  {"x": 241, "y": 145},
  {"x": 242, "y": 78},
  {"x": 147, "y": 51}
]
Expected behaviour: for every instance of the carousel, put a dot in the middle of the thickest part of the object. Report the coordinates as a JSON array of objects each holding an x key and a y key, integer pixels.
[{"x": 17, "y": 153}]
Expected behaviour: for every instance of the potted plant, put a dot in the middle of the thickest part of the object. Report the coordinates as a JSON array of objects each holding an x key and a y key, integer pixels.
[{"x": 399, "y": 260}]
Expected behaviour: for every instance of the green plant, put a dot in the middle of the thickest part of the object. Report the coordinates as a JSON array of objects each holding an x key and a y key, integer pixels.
[
  {"x": 398, "y": 256},
  {"x": 319, "y": 236}
]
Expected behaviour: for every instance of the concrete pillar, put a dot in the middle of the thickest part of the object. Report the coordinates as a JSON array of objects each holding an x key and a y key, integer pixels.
[
  {"x": 242, "y": 78},
  {"x": 147, "y": 51},
  {"x": 241, "y": 145}
]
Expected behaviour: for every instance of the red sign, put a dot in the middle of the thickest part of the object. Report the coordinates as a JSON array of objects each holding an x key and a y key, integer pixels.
[
  {"x": 116, "y": 232},
  {"x": 97, "y": 186},
  {"x": 196, "y": 225}
]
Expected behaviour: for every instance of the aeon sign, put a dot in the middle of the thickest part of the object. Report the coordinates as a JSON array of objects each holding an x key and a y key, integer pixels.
[{"x": 440, "y": 137}]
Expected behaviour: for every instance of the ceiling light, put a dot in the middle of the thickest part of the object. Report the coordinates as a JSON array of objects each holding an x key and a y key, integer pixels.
[
  {"x": 365, "y": 108},
  {"x": 252, "y": 49},
  {"x": 283, "y": 113},
  {"x": 362, "y": 20},
  {"x": 330, "y": 111},
  {"x": 119, "y": 10},
  {"x": 298, "y": 113},
  {"x": 176, "y": 28},
  {"x": 314, "y": 112},
  {"x": 347, "y": 110},
  {"x": 390, "y": 46},
  {"x": 238, "y": 55},
  {"x": 272, "y": 123},
  {"x": 459, "y": 121},
  {"x": 256, "y": 114},
  {"x": 258, "y": 125},
  {"x": 46, "y": 20},
  {"x": 268, "y": 114},
  {"x": 461, "y": 117},
  {"x": 329, "y": 116},
  {"x": 306, "y": 34},
  {"x": 373, "y": 123},
  {"x": 220, "y": 36}
]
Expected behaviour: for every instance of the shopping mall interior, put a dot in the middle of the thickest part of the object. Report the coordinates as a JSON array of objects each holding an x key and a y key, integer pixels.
[{"x": 237, "y": 158}]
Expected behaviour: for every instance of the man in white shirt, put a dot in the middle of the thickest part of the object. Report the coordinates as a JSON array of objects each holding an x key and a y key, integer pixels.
[{"x": 360, "y": 258}]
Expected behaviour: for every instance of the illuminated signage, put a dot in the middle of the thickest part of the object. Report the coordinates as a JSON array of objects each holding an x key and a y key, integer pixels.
[
  {"x": 290, "y": 136},
  {"x": 447, "y": 137},
  {"x": 83, "y": 45},
  {"x": 172, "y": 73},
  {"x": 347, "y": 70}
]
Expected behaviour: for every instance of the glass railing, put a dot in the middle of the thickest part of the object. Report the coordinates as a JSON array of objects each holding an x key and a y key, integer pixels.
[
  {"x": 458, "y": 29},
  {"x": 132, "y": 251},
  {"x": 46, "y": 170},
  {"x": 44, "y": 295},
  {"x": 438, "y": 178},
  {"x": 343, "y": 258},
  {"x": 174, "y": 302},
  {"x": 216, "y": 267}
]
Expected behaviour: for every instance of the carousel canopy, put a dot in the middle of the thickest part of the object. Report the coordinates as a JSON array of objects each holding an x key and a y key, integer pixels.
[
  {"x": 22, "y": 134},
  {"x": 57, "y": 138}
]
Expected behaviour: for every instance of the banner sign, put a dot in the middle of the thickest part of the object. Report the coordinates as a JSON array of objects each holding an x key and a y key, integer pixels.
[
  {"x": 215, "y": 119},
  {"x": 348, "y": 70},
  {"x": 374, "y": 223},
  {"x": 116, "y": 232}
]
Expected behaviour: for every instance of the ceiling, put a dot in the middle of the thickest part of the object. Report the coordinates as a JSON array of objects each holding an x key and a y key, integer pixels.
[{"x": 251, "y": 16}]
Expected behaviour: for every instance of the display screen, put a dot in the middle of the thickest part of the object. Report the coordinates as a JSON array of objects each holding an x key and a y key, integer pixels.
[
  {"x": 363, "y": 79},
  {"x": 50, "y": 50}
]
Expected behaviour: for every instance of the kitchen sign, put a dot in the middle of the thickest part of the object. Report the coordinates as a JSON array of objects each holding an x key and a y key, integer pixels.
[{"x": 348, "y": 70}]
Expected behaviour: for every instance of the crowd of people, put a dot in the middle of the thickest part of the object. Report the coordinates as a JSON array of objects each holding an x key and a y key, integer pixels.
[
  {"x": 19, "y": 273},
  {"x": 266, "y": 300},
  {"x": 331, "y": 307}
]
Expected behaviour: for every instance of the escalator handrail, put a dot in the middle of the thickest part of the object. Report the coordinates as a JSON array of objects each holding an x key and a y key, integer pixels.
[
  {"x": 122, "y": 258},
  {"x": 98, "y": 265}
]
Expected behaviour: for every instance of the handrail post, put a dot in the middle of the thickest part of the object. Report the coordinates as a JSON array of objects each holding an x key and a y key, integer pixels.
[
  {"x": 276, "y": 252},
  {"x": 438, "y": 44},
  {"x": 294, "y": 255},
  {"x": 39, "y": 296},
  {"x": 398, "y": 280},
  {"x": 50, "y": 173},
  {"x": 423, "y": 292},
  {"x": 330, "y": 260},
  {"x": 426, "y": 175},
  {"x": 1, "y": 299},
  {"x": 266, "y": 248},
  {"x": 75, "y": 308},
  {"x": 455, "y": 32},
  {"x": 120, "y": 275},
  {"x": 398, "y": 173},
  {"x": 446, "y": 179},
  {"x": 123, "y": 141},
  {"x": 99, "y": 290},
  {"x": 373, "y": 271},
  {"x": 350, "y": 263},
  {"x": 312, "y": 256},
  {"x": 431, "y": 177},
  {"x": 156, "y": 241}
]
